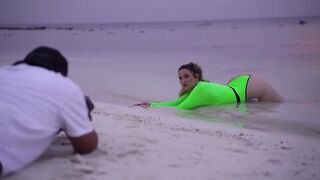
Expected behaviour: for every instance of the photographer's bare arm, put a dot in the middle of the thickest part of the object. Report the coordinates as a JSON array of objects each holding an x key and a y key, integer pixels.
[{"x": 86, "y": 143}]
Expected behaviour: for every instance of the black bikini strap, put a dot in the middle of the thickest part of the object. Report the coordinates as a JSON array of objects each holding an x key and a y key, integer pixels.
[{"x": 236, "y": 94}]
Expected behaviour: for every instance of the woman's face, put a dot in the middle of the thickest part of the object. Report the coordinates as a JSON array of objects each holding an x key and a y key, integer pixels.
[{"x": 187, "y": 80}]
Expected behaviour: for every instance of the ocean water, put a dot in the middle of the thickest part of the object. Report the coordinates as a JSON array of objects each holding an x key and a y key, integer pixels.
[{"x": 128, "y": 63}]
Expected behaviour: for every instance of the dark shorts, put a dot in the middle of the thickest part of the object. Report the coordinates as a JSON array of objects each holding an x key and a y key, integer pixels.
[{"x": 0, "y": 169}]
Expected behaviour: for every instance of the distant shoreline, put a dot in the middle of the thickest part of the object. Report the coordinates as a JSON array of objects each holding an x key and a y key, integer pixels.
[{"x": 200, "y": 23}]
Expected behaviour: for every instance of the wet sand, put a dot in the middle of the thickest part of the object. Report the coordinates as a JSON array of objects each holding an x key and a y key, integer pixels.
[{"x": 138, "y": 143}]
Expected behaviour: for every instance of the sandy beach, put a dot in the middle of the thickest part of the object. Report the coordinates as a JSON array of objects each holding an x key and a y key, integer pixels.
[
  {"x": 138, "y": 143},
  {"x": 119, "y": 65}
]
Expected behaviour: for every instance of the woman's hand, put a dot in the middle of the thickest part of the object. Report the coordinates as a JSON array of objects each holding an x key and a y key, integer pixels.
[
  {"x": 143, "y": 104},
  {"x": 182, "y": 91}
]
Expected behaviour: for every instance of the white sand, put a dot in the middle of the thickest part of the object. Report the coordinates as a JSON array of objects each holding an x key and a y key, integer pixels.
[{"x": 137, "y": 143}]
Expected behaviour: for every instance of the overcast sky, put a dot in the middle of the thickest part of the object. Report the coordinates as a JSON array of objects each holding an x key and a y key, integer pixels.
[{"x": 100, "y": 11}]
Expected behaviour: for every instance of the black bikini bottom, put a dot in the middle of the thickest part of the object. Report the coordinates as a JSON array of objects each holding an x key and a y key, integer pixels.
[{"x": 236, "y": 94}]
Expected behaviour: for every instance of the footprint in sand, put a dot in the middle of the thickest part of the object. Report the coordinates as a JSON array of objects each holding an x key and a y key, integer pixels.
[
  {"x": 274, "y": 161},
  {"x": 81, "y": 164},
  {"x": 148, "y": 140},
  {"x": 175, "y": 165},
  {"x": 131, "y": 152},
  {"x": 236, "y": 150}
]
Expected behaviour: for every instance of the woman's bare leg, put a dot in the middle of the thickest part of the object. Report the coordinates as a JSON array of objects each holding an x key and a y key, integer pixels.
[{"x": 260, "y": 89}]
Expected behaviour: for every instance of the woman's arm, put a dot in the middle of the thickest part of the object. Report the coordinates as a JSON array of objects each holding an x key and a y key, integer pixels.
[
  {"x": 196, "y": 98},
  {"x": 174, "y": 103},
  {"x": 182, "y": 91},
  {"x": 85, "y": 143}
]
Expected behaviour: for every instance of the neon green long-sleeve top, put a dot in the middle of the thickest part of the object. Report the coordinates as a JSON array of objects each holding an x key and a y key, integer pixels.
[{"x": 204, "y": 93}]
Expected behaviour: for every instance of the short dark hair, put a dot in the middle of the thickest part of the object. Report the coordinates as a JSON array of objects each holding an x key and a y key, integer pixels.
[{"x": 48, "y": 58}]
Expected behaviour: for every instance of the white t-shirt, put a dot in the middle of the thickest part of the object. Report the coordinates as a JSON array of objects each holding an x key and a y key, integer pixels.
[{"x": 35, "y": 104}]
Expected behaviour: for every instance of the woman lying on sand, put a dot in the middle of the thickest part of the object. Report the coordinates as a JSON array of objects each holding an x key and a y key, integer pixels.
[{"x": 196, "y": 92}]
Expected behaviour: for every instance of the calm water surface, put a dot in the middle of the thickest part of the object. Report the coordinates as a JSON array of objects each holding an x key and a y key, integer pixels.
[{"x": 129, "y": 63}]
